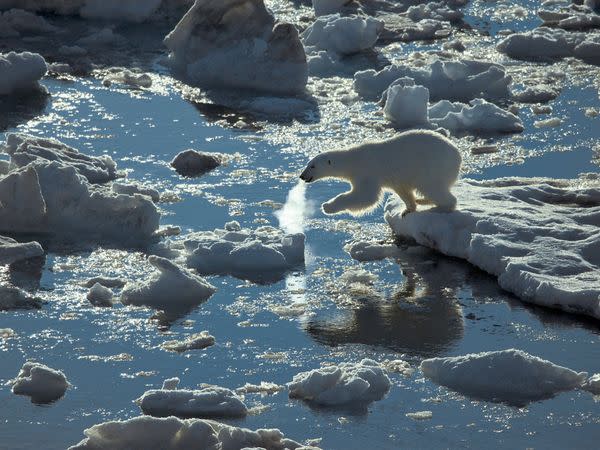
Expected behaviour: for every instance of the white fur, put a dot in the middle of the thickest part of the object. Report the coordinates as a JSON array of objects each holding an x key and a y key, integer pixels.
[{"x": 417, "y": 160}]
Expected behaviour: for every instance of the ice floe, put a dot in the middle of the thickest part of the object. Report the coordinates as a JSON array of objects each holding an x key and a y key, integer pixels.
[
  {"x": 461, "y": 80},
  {"x": 344, "y": 384},
  {"x": 250, "y": 50},
  {"x": 171, "y": 433},
  {"x": 12, "y": 251},
  {"x": 508, "y": 376},
  {"x": 211, "y": 401},
  {"x": 17, "y": 22},
  {"x": 49, "y": 190},
  {"x": 193, "y": 342},
  {"x": 540, "y": 237},
  {"x": 129, "y": 78},
  {"x": 99, "y": 295},
  {"x": 260, "y": 254},
  {"x": 132, "y": 189},
  {"x": 191, "y": 163},
  {"x": 169, "y": 288},
  {"x": 21, "y": 72},
  {"x": 592, "y": 384},
  {"x": 12, "y": 297},
  {"x": 40, "y": 382}
]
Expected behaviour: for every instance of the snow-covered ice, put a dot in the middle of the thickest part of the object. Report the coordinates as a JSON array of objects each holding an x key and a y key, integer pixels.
[
  {"x": 12, "y": 251},
  {"x": 17, "y": 22},
  {"x": 211, "y": 401},
  {"x": 540, "y": 237},
  {"x": 345, "y": 384},
  {"x": 129, "y": 78},
  {"x": 171, "y": 433},
  {"x": 461, "y": 80},
  {"x": 132, "y": 189},
  {"x": 192, "y": 163},
  {"x": 12, "y": 297},
  {"x": 325, "y": 7},
  {"x": 21, "y": 72},
  {"x": 262, "y": 253},
  {"x": 170, "y": 287},
  {"x": 511, "y": 376},
  {"x": 195, "y": 341},
  {"x": 40, "y": 382},
  {"x": 592, "y": 384},
  {"x": 251, "y": 50},
  {"x": 99, "y": 295}
]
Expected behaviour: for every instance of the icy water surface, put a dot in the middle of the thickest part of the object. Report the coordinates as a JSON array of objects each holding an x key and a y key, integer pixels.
[{"x": 418, "y": 306}]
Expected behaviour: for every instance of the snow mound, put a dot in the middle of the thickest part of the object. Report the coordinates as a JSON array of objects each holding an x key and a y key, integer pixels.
[
  {"x": 250, "y": 50},
  {"x": 461, "y": 80},
  {"x": 170, "y": 288},
  {"x": 21, "y": 72},
  {"x": 12, "y": 251},
  {"x": 508, "y": 376},
  {"x": 195, "y": 341},
  {"x": 540, "y": 237},
  {"x": 345, "y": 384},
  {"x": 191, "y": 163},
  {"x": 342, "y": 35},
  {"x": 16, "y": 22},
  {"x": 434, "y": 11},
  {"x": 40, "y": 382},
  {"x": 99, "y": 295},
  {"x": 14, "y": 298},
  {"x": 171, "y": 433},
  {"x": 265, "y": 253},
  {"x": 24, "y": 149},
  {"x": 212, "y": 401}
]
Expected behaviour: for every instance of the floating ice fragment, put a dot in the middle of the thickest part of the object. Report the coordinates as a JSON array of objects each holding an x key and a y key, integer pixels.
[{"x": 40, "y": 382}]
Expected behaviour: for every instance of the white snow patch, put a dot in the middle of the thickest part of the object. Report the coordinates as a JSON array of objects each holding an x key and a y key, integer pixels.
[
  {"x": 20, "y": 72},
  {"x": 171, "y": 287},
  {"x": 195, "y": 341},
  {"x": 40, "y": 382},
  {"x": 344, "y": 384},
  {"x": 129, "y": 78},
  {"x": 540, "y": 237},
  {"x": 510, "y": 376}
]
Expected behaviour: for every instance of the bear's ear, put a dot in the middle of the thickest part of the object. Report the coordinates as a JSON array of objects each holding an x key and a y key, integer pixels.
[{"x": 329, "y": 161}]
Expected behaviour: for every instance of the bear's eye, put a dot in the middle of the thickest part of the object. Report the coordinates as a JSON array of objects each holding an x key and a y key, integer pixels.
[{"x": 329, "y": 161}]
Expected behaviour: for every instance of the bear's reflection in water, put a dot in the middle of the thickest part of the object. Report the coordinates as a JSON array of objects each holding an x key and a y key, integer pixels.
[{"x": 423, "y": 318}]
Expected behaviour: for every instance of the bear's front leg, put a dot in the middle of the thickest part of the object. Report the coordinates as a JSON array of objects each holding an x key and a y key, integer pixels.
[{"x": 364, "y": 196}]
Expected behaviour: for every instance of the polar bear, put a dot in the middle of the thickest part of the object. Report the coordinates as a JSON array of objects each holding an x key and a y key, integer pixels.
[{"x": 417, "y": 160}]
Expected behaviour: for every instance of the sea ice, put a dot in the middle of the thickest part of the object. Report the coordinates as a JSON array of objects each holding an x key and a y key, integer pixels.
[
  {"x": 325, "y": 7},
  {"x": 20, "y": 72},
  {"x": 345, "y": 384},
  {"x": 40, "y": 382},
  {"x": 592, "y": 384},
  {"x": 12, "y": 251},
  {"x": 540, "y": 237},
  {"x": 171, "y": 433},
  {"x": 132, "y": 189},
  {"x": 263, "y": 253},
  {"x": 171, "y": 287},
  {"x": 17, "y": 22},
  {"x": 191, "y": 163},
  {"x": 211, "y": 401},
  {"x": 195, "y": 341},
  {"x": 250, "y": 50},
  {"x": 12, "y": 297},
  {"x": 509, "y": 376},
  {"x": 129, "y": 78},
  {"x": 99, "y": 295}
]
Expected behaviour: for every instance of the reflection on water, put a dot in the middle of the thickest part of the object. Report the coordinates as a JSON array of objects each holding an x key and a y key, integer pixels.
[{"x": 20, "y": 108}]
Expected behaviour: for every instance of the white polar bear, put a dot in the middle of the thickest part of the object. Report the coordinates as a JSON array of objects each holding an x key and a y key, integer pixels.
[{"x": 418, "y": 160}]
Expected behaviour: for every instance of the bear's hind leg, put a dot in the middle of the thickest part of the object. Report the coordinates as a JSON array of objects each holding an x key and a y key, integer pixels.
[
  {"x": 440, "y": 196},
  {"x": 364, "y": 196}
]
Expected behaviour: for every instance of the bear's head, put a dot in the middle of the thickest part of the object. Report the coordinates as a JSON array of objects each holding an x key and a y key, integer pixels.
[{"x": 321, "y": 166}]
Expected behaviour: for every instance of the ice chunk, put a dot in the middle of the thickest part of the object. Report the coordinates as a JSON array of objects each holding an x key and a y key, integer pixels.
[
  {"x": 171, "y": 287},
  {"x": 170, "y": 383},
  {"x": 263, "y": 254},
  {"x": 212, "y": 401},
  {"x": 129, "y": 78},
  {"x": 21, "y": 72},
  {"x": 132, "y": 189},
  {"x": 171, "y": 433},
  {"x": 345, "y": 384},
  {"x": 540, "y": 237},
  {"x": 24, "y": 149},
  {"x": 99, "y": 295},
  {"x": 40, "y": 382},
  {"x": 342, "y": 35},
  {"x": 406, "y": 104},
  {"x": 264, "y": 387},
  {"x": 195, "y": 341},
  {"x": 592, "y": 384},
  {"x": 12, "y": 251},
  {"x": 191, "y": 163},
  {"x": 541, "y": 44},
  {"x": 509, "y": 376},
  {"x": 435, "y": 11},
  {"x": 461, "y": 80},
  {"x": 24, "y": 22},
  {"x": 105, "y": 281},
  {"x": 237, "y": 44},
  {"x": 14, "y": 298},
  {"x": 325, "y": 7},
  {"x": 535, "y": 94}
]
